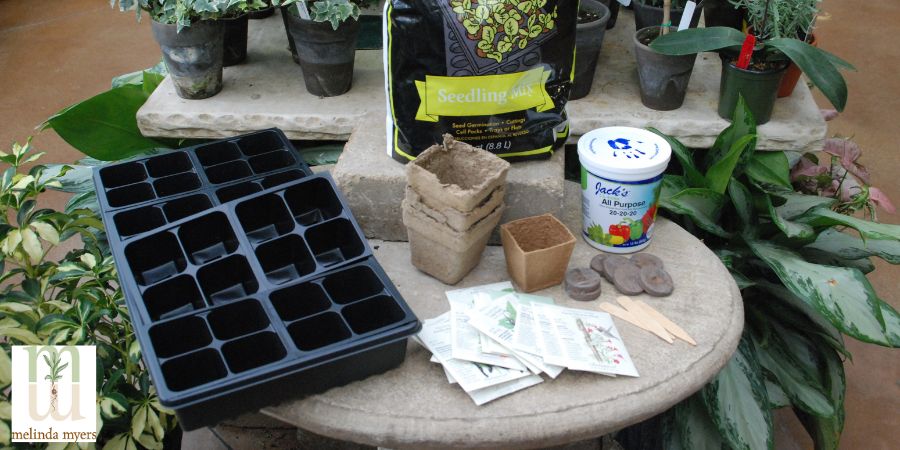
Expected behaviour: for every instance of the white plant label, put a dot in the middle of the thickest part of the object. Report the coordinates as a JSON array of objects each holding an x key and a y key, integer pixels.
[{"x": 686, "y": 17}]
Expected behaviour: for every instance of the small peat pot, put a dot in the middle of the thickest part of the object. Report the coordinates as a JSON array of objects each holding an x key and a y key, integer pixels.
[
  {"x": 442, "y": 252},
  {"x": 646, "y": 15},
  {"x": 235, "y": 50},
  {"x": 456, "y": 174},
  {"x": 663, "y": 78},
  {"x": 193, "y": 56},
  {"x": 613, "y": 6},
  {"x": 537, "y": 251},
  {"x": 792, "y": 76},
  {"x": 758, "y": 86},
  {"x": 721, "y": 13},
  {"x": 592, "y": 19},
  {"x": 326, "y": 55}
]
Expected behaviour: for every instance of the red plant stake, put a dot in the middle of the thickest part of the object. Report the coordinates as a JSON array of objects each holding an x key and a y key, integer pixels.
[{"x": 746, "y": 52}]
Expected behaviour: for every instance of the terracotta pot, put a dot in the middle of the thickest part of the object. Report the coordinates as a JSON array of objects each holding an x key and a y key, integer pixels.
[
  {"x": 537, "y": 251},
  {"x": 792, "y": 76}
]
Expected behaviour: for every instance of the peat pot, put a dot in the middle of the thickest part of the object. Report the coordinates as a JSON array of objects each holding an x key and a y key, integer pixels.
[
  {"x": 588, "y": 40},
  {"x": 663, "y": 78},
  {"x": 193, "y": 56}
]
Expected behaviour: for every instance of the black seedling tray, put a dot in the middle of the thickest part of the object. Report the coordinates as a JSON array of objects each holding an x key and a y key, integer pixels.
[
  {"x": 148, "y": 193},
  {"x": 240, "y": 303}
]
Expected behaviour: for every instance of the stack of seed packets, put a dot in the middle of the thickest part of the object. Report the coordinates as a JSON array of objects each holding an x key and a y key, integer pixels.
[{"x": 495, "y": 341}]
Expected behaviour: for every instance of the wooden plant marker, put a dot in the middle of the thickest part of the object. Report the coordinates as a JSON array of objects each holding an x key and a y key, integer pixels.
[
  {"x": 670, "y": 326},
  {"x": 638, "y": 320}
]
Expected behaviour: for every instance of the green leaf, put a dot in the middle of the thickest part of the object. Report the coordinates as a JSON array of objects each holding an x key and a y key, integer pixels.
[
  {"x": 696, "y": 40},
  {"x": 777, "y": 397},
  {"x": 686, "y": 158},
  {"x": 817, "y": 66},
  {"x": 321, "y": 155},
  {"x": 827, "y": 259},
  {"x": 22, "y": 335},
  {"x": 770, "y": 170},
  {"x": 5, "y": 410},
  {"x": 696, "y": 429},
  {"x": 822, "y": 217},
  {"x": 105, "y": 126},
  {"x": 703, "y": 206},
  {"x": 797, "y": 382},
  {"x": 5, "y": 369},
  {"x": 742, "y": 124},
  {"x": 134, "y": 351},
  {"x": 790, "y": 229},
  {"x": 719, "y": 174},
  {"x": 851, "y": 247},
  {"x": 139, "y": 421},
  {"x": 844, "y": 296},
  {"x": 892, "y": 321},
  {"x": 121, "y": 441},
  {"x": 796, "y": 204},
  {"x": 826, "y": 431},
  {"x": 737, "y": 403},
  {"x": 743, "y": 202}
]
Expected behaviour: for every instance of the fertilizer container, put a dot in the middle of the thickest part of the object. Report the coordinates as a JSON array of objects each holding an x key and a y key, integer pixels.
[{"x": 621, "y": 175}]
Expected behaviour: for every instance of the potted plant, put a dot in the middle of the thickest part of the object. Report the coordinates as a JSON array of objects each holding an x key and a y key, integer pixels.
[
  {"x": 236, "y": 20},
  {"x": 785, "y": 20},
  {"x": 191, "y": 40},
  {"x": 758, "y": 82},
  {"x": 266, "y": 11},
  {"x": 648, "y": 13},
  {"x": 589, "y": 31},
  {"x": 663, "y": 79},
  {"x": 325, "y": 35},
  {"x": 723, "y": 13}
]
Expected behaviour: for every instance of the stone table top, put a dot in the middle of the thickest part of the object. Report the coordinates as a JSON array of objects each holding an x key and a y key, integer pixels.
[
  {"x": 268, "y": 91},
  {"x": 413, "y": 406}
]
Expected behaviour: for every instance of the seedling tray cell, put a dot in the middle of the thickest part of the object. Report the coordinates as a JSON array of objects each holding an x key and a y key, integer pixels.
[{"x": 247, "y": 290}]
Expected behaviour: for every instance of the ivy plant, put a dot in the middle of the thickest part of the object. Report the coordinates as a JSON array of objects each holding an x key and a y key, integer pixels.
[
  {"x": 801, "y": 269},
  {"x": 334, "y": 12},
  {"x": 52, "y": 296},
  {"x": 185, "y": 12}
]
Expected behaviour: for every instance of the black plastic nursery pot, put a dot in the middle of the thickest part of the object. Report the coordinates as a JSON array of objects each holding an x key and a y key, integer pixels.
[
  {"x": 326, "y": 55},
  {"x": 247, "y": 278},
  {"x": 759, "y": 89},
  {"x": 663, "y": 78},
  {"x": 613, "y": 6},
  {"x": 588, "y": 41},
  {"x": 721, "y": 13},
  {"x": 262, "y": 13},
  {"x": 193, "y": 56},
  {"x": 287, "y": 30},
  {"x": 647, "y": 16},
  {"x": 235, "y": 50}
]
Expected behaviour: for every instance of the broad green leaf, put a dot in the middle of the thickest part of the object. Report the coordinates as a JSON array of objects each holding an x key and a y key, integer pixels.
[
  {"x": 743, "y": 202},
  {"x": 818, "y": 68},
  {"x": 792, "y": 372},
  {"x": 148, "y": 441},
  {"x": 796, "y": 204},
  {"x": 692, "y": 175},
  {"x": 844, "y": 296},
  {"x": 742, "y": 124},
  {"x": 5, "y": 410},
  {"x": 770, "y": 170},
  {"x": 819, "y": 257},
  {"x": 826, "y": 432},
  {"x": 696, "y": 40},
  {"x": 798, "y": 314},
  {"x": 5, "y": 369},
  {"x": 719, "y": 173},
  {"x": 105, "y": 126},
  {"x": 790, "y": 229},
  {"x": 4, "y": 433},
  {"x": 46, "y": 231},
  {"x": 671, "y": 185},
  {"x": 703, "y": 206},
  {"x": 139, "y": 421},
  {"x": 777, "y": 397},
  {"x": 697, "y": 430},
  {"x": 851, "y": 247},
  {"x": 822, "y": 217},
  {"x": 154, "y": 425},
  {"x": 134, "y": 351},
  {"x": 121, "y": 441},
  {"x": 737, "y": 403},
  {"x": 892, "y": 321},
  {"x": 151, "y": 81}
]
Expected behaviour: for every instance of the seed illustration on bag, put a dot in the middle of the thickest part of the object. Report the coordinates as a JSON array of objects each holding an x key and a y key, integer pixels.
[{"x": 495, "y": 74}]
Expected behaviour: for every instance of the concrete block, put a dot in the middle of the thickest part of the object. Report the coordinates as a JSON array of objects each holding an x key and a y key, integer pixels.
[{"x": 374, "y": 184}]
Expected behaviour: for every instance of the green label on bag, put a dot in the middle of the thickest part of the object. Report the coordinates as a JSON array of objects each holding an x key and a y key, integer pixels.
[{"x": 482, "y": 95}]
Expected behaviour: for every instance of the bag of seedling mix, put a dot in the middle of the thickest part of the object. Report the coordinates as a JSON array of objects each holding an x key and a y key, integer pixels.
[{"x": 495, "y": 74}]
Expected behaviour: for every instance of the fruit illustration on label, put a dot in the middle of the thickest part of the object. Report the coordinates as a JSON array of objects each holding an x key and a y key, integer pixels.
[{"x": 620, "y": 230}]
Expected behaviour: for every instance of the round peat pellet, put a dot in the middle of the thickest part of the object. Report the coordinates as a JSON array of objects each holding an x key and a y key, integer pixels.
[
  {"x": 647, "y": 260},
  {"x": 613, "y": 262},
  {"x": 582, "y": 284},
  {"x": 597, "y": 263},
  {"x": 627, "y": 279},
  {"x": 656, "y": 281}
]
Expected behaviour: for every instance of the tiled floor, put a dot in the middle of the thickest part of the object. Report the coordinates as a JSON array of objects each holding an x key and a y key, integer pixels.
[{"x": 55, "y": 53}]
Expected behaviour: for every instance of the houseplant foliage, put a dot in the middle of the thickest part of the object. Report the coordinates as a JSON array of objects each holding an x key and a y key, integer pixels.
[
  {"x": 185, "y": 12},
  {"x": 801, "y": 268},
  {"x": 820, "y": 66},
  {"x": 70, "y": 300}
]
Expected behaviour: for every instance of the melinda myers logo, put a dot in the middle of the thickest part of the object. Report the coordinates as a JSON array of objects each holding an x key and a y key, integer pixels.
[{"x": 54, "y": 393}]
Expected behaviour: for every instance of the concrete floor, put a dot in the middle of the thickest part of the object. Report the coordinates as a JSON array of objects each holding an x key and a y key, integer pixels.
[{"x": 65, "y": 51}]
